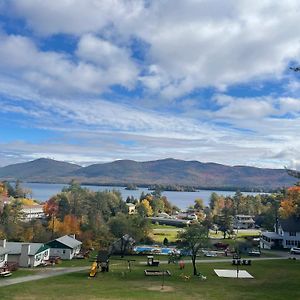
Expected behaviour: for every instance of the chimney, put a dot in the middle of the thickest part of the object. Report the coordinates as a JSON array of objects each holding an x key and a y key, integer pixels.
[
  {"x": 24, "y": 260},
  {"x": 72, "y": 236},
  {"x": 3, "y": 243},
  {"x": 25, "y": 249}
]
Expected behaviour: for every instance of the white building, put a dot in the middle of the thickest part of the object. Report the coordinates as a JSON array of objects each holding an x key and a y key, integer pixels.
[
  {"x": 243, "y": 222},
  {"x": 131, "y": 208},
  {"x": 66, "y": 247},
  {"x": 288, "y": 235},
  {"x": 3, "y": 253},
  {"x": 32, "y": 212},
  {"x": 26, "y": 254}
]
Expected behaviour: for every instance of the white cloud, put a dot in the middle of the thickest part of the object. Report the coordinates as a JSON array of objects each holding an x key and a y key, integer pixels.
[
  {"x": 77, "y": 17},
  {"x": 192, "y": 44},
  {"x": 56, "y": 73},
  {"x": 113, "y": 60}
]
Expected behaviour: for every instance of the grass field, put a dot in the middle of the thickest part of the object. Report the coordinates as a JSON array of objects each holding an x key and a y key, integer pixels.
[
  {"x": 274, "y": 280},
  {"x": 159, "y": 232}
]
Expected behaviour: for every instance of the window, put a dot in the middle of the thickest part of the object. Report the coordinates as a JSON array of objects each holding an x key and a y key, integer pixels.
[
  {"x": 38, "y": 257},
  {"x": 292, "y": 233},
  {"x": 64, "y": 251}
]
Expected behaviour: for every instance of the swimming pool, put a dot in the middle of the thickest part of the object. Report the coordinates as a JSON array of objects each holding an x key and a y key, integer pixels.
[{"x": 155, "y": 250}]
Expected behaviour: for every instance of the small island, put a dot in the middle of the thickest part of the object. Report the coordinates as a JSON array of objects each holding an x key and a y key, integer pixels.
[
  {"x": 172, "y": 188},
  {"x": 131, "y": 187}
]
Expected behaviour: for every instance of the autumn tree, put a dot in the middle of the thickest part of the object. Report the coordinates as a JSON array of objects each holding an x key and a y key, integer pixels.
[
  {"x": 144, "y": 209},
  {"x": 51, "y": 210},
  {"x": 290, "y": 205}
]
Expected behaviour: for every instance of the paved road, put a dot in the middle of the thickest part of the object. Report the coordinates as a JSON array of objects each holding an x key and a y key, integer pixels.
[
  {"x": 47, "y": 274},
  {"x": 216, "y": 260}
]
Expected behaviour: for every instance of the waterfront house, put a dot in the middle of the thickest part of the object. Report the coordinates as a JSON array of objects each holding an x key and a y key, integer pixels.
[
  {"x": 287, "y": 235},
  {"x": 32, "y": 212},
  {"x": 243, "y": 222},
  {"x": 66, "y": 247}
]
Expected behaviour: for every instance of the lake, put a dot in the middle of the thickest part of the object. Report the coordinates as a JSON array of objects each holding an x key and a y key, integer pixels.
[{"x": 43, "y": 191}]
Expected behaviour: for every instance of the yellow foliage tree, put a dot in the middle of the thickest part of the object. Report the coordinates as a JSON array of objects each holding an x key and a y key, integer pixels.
[
  {"x": 146, "y": 208},
  {"x": 27, "y": 201},
  {"x": 55, "y": 225}
]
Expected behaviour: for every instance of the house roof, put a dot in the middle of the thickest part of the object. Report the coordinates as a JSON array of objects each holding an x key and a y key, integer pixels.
[
  {"x": 15, "y": 247},
  {"x": 272, "y": 235},
  {"x": 291, "y": 224},
  {"x": 3, "y": 250},
  {"x": 68, "y": 241}
]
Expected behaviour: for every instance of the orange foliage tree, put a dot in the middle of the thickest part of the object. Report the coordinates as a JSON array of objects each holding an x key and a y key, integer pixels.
[{"x": 290, "y": 205}]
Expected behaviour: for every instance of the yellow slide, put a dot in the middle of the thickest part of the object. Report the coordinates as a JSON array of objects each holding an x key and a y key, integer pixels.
[{"x": 94, "y": 269}]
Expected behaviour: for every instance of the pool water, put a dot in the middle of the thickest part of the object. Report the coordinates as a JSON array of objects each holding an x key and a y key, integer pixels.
[{"x": 156, "y": 250}]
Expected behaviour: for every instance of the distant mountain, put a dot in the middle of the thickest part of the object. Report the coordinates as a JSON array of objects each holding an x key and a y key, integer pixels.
[
  {"x": 189, "y": 173},
  {"x": 42, "y": 169},
  {"x": 165, "y": 172}
]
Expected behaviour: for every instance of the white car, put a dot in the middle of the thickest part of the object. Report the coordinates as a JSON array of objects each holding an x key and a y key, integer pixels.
[
  {"x": 295, "y": 250},
  {"x": 210, "y": 254}
]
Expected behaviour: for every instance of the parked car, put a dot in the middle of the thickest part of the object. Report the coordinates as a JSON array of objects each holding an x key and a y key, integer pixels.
[
  {"x": 254, "y": 253},
  {"x": 295, "y": 250},
  {"x": 210, "y": 254},
  {"x": 220, "y": 245}
]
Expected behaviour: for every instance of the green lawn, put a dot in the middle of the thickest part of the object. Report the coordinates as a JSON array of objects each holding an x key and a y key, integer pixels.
[
  {"x": 160, "y": 232},
  {"x": 274, "y": 280}
]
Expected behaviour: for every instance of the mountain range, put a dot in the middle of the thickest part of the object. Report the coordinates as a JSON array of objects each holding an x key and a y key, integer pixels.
[{"x": 164, "y": 172}]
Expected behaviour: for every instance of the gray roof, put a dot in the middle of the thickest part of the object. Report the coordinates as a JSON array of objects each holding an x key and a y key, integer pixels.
[
  {"x": 3, "y": 250},
  {"x": 271, "y": 235},
  {"x": 290, "y": 224},
  {"x": 69, "y": 241},
  {"x": 15, "y": 247}
]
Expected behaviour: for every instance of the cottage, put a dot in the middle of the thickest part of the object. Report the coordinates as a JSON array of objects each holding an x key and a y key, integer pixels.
[
  {"x": 243, "y": 222},
  {"x": 286, "y": 236},
  {"x": 66, "y": 247},
  {"x": 3, "y": 253},
  {"x": 26, "y": 254}
]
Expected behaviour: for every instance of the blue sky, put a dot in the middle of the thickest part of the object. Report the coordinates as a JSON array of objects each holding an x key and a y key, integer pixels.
[{"x": 95, "y": 81}]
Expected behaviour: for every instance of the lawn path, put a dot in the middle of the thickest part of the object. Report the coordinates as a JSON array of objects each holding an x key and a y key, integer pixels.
[{"x": 47, "y": 274}]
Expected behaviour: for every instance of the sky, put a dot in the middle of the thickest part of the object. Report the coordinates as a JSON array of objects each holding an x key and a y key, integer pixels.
[{"x": 100, "y": 80}]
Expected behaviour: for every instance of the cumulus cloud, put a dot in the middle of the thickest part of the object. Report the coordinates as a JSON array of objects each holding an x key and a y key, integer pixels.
[
  {"x": 56, "y": 73},
  {"x": 191, "y": 44}
]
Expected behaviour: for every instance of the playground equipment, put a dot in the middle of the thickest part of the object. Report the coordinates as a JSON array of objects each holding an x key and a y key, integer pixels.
[
  {"x": 174, "y": 257},
  {"x": 102, "y": 261},
  {"x": 157, "y": 273},
  {"x": 151, "y": 262},
  {"x": 94, "y": 269}
]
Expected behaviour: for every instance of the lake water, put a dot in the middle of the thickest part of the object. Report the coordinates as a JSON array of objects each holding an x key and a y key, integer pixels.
[{"x": 43, "y": 191}]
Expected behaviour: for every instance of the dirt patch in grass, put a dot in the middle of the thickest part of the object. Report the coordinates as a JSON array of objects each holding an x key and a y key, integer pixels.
[{"x": 165, "y": 288}]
